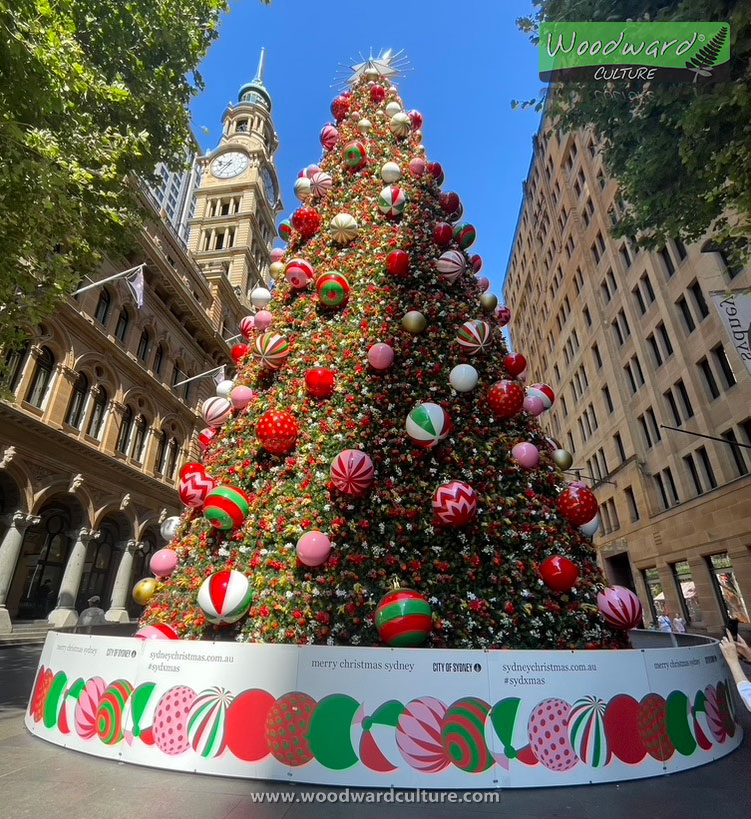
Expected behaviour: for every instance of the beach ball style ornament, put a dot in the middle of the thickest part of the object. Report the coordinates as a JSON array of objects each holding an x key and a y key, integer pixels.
[
  {"x": 320, "y": 183},
  {"x": 577, "y": 504},
  {"x": 506, "y": 399},
  {"x": 223, "y": 387},
  {"x": 333, "y": 289},
  {"x": 455, "y": 503},
  {"x": 207, "y": 722},
  {"x": 352, "y": 472},
  {"x": 284, "y": 231},
  {"x": 428, "y": 424},
  {"x": 343, "y": 228},
  {"x": 263, "y": 320},
  {"x": 403, "y": 618},
  {"x": 226, "y": 507},
  {"x": 620, "y": 607},
  {"x": 414, "y": 322},
  {"x": 397, "y": 263},
  {"x": 329, "y": 137},
  {"x": 216, "y": 411},
  {"x": 591, "y": 527},
  {"x": 158, "y": 631},
  {"x": 239, "y": 351},
  {"x": 247, "y": 325},
  {"x": 515, "y": 363},
  {"x": 392, "y": 201},
  {"x": 241, "y": 396},
  {"x": 271, "y": 350},
  {"x": 526, "y": 455},
  {"x": 313, "y": 548},
  {"x": 277, "y": 431},
  {"x": 390, "y": 172},
  {"x": 474, "y": 336},
  {"x": 415, "y": 117},
  {"x": 144, "y": 590},
  {"x": 380, "y": 356},
  {"x": 465, "y": 236},
  {"x": 299, "y": 273},
  {"x": 320, "y": 382},
  {"x": 224, "y": 597},
  {"x": 543, "y": 392},
  {"x": 450, "y": 265},
  {"x": 400, "y": 124},
  {"x": 354, "y": 154},
  {"x": 302, "y": 188},
  {"x": 169, "y": 527},
  {"x": 306, "y": 221},
  {"x": 559, "y": 573},
  {"x": 163, "y": 562},
  {"x": 340, "y": 108},
  {"x": 260, "y": 297},
  {"x": 443, "y": 234},
  {"x": 194, "y": 488},
  {"x": 463, "y": 377},
  {"x": 562, "y": 458}
]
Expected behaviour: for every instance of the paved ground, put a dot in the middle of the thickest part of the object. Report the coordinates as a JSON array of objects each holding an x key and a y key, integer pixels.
[{"x": 37, "y": 779}]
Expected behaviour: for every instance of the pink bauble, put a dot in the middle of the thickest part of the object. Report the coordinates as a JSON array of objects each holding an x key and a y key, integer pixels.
[
  {"x": 171, "y": 720},
  {"x": 526, "y": 455},
  {"x": 522, "y": 376},
  {"x": 381, "y": 356},
  {"x": 548, "y": 735},
  {"x": 263, "y": 319},
  {"x": 455, "y": 503},
  {"x": 194, "y": 488},
  {"x": 241, "y": 396},
  {"x": 533, "y": 405},
  {"x": 484, "y": 283},
  {"x": 157, "y": 632},
  {"x": 247, "y": 323},
  {"x": 620, "y": 607},
  {"x": 277, "y": 254},
  {"x": 313, "y": 548},
  {"x": 417, "y": 166},
  {"x": 352, "y": 472},
  {"x": 543, "y": 392},
  {"x": 163, "y": 562},
  {"x": 418, "y": 735}
]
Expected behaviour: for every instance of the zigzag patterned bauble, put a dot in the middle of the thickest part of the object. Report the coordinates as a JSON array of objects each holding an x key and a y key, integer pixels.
[
  {"x": 194, "y": 488},
  {"x": 455, "y": 503}
]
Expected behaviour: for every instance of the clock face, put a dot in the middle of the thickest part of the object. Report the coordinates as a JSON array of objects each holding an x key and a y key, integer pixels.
[
  {"x": 269, "y": 185},
  {"x": 233, "y": 163}
]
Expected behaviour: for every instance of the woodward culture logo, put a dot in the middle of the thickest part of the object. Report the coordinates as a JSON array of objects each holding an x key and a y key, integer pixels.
[{"x": 662, "y": 52}]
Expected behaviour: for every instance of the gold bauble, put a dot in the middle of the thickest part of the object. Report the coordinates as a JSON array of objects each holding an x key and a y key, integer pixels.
[
  {"x": 371, "y": 73},
  {"x": 276, "y": 269},
  {"x": 562, "y": 458},
  {"x": 414, "y": 322},
  {"x": 488, "y": 302},
  {"x": 364, "y": 126},
  {"x": 144, "y": 590}
]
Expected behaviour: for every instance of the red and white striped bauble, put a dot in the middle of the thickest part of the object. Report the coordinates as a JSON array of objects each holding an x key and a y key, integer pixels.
[
  {"x": 225, "y": 596},
  {"x": 321, "y": 183},
  {"x": 247, "y": 324},
  {"x": 620, "y": 607},
  {"x": 194, "y": 487},
  {"x": 474, "y": 336},
  {"x": 450, "y": 265},
  {"x": 543, "y": 392},
  {"x": 271, "y": 349},
  {"x": 392, "y": 200},
  {"x": 204, "y": 437},
  {"x": 455, "y": 503},
  {"x": 216, "y": 411},
  {"x": 299, "y": 273},
  {"x": 352, "y": 472}
]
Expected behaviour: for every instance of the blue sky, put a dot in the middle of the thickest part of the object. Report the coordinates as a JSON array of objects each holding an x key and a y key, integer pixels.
[{"x": 468, "y": 59}]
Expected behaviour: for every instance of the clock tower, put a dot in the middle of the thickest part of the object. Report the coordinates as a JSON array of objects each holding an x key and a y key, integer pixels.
[{"x": 238, "y": 200}]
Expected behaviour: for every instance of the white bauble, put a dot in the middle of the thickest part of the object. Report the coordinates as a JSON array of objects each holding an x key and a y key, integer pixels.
[
  {"x": 302, "y": 188},
  {"x": 259, "y": 297},
  {"x": 391, "y": 172},
  {"x": 591, "y": 527},
  {"x": 392, "y": 108},
  {"x": 223, "y": 388},
  {"x": 463, "y": 377},
  {"x": 169, "y": 527}
]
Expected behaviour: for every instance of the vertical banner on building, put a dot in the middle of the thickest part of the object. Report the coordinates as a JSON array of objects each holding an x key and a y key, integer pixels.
[{"x": 734, "y": 307}]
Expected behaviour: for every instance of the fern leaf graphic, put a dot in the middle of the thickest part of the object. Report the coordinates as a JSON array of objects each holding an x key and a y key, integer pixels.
[{"x": 704, "y": 59}]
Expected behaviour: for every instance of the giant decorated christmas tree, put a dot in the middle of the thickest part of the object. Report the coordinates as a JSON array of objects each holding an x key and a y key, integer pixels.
[{"x": 376, "y": 473}]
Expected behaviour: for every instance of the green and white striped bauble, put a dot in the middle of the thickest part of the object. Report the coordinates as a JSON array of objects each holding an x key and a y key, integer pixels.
[{"x": 207, "y": 721}]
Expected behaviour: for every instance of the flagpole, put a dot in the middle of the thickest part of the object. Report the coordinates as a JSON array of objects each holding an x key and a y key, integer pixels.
[
  {"x": 200, "y": 375},
  {"x": 710, "y": 437},
  {"x": 109, "y": 279}
]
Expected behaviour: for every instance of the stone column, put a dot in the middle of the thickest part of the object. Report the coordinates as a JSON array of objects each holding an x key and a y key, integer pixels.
[
  {"x": 10, "y": 548},
  {"x": 117, "y": 612},
  {"x": 65, "y": 613}
]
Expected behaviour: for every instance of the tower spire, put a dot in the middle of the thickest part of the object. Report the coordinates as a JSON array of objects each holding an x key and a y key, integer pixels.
[{"x": 261, "y": 66}]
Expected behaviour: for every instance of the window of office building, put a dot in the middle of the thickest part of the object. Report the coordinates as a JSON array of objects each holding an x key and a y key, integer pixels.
[
  {"x": 726, "y": 587},
  {"x": 655, "y": 594},
  {"x": 686, "y": 588}
]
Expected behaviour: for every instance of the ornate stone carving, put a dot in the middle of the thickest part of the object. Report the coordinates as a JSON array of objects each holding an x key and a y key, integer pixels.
[
  {"x": 8, "y": 455},
  {"x": 162, "y": 515},
  {"x": 75, "y": 483},
  {"x": 20, "y": 520},
  {"x": 125, "y": 502}
]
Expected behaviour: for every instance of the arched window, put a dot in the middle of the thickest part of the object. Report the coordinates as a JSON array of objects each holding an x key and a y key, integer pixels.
[
  {"x": 42, "y": 377},
  {"x": 173, "y": 450},
  {"x": 77, "y": 403},
  {"x": 159, "y": 359},
  {"x": 161, "y": 453},
  {"x": 144, "y": 345},
  {"x": 177, "y": 375},
  {"x": 186, "y": 389},
  {"x": 14, "y": 362},
  {"x": 139, "y": 439},
  {"x": 126, "y": 426},
  {"x": 99, "y": 410},
  {"x": 121, "y": 328},
  {"x": 242, "y": 126},
  {"x": 101, "y": 314}
]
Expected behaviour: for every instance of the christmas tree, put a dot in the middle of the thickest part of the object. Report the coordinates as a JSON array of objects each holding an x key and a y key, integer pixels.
[{"x": 378, "y": 435}]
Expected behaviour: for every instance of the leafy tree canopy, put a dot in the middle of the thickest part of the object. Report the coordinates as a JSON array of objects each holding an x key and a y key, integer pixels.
[{"x": 680, "y": 152}]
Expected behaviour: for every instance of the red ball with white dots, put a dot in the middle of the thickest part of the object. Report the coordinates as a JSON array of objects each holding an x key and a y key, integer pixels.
[
  {"x": 340, "y": 108},
  {"x": 277, "y": 431},
  {"x": 577, "y": 504},
  {"x": 506, "y": 398},
  {"x": 306, "y": 221}
]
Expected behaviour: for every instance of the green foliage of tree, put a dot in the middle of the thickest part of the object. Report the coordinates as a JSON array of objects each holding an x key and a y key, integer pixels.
[
  {"x": 681, "y": 153},
  {"x": 91, "y": 91}
]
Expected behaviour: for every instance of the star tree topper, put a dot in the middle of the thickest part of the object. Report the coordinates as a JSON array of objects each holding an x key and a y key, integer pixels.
[{"x": 387, "y": 65}]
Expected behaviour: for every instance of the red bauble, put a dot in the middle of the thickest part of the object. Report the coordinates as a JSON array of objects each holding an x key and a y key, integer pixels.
[
  {"x": 436, "y": 171},
  {"x": 577, "y": 504},
  {"x": 378, "y": 93},
  {"x": 277, "y": 431},
  {"x": 340, "y": 108},
  {"x": 506, "y": 398},
  {"x": 239, "y": 351},
  {"x": 190, "y": 468},
  {"x": 559, "y": 573},
  {"x": 443, "y": 234},
  {"x": 306, "y": 221},
  {"x": 416, "y": 119},
  {"x": 320, "y": 382},
  {"x": 475, "y": 263},
  {"x": 450, "y": 202},
  {"x": 515, "y": 364},
  {"x": 397, "y": 263}
]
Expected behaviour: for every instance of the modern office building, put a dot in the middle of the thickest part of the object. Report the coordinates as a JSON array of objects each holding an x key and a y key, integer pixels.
[{"x": 632, "y": 344}]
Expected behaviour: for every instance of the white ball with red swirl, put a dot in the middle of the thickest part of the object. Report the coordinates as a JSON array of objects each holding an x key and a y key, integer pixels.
[
  {"x": 194, "y": 488},
  {"x": 455, "y": 503},
  {"x": 543, "y": 392}
]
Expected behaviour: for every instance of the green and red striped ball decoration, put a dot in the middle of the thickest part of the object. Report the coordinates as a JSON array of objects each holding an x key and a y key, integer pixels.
[
  {"x": 403, "y": 618},
  {"x": 465, "y": 235},
  {"x": 333, "y": 289},
  {"x": 463, "y": 735},
  {"x": 285, "y": 230},
  {"x": 111, "y": 711},
  {"x": 207, "y": 722},
  {"x": 226, "y": 507}
]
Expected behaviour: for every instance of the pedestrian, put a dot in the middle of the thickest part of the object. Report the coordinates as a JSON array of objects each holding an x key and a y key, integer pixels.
[
  {"x": 664, "y": 623},
  {"x": 679, "y": 624},
  {"x": 730, "y": 650},
  {"x": 93, "y": 615}
]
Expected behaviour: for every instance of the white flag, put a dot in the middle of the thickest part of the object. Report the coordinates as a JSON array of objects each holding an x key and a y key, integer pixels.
[
  {"x": 221, "y": 375},
  {"x": 734, "y": 307},
  {"x": 137, "y": 285}
]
